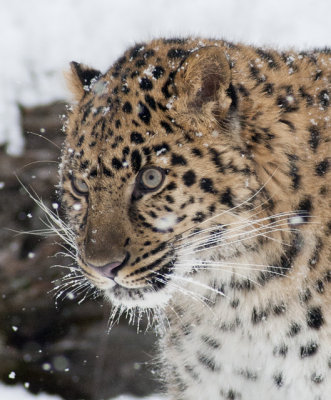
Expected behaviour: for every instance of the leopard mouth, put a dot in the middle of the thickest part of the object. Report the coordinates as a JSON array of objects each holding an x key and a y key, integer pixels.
[
  {"x": 154, "y": 293},
  {"x": 124, "y": 285}
]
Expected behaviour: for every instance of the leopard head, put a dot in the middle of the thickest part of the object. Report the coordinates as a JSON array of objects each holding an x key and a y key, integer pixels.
[{"x": 152, "y": 166}]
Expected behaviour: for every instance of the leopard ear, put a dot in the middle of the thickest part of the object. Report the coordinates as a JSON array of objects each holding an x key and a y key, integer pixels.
[
  {"x": 80, "y": 77},
  {"x": 205, "y": 80}
]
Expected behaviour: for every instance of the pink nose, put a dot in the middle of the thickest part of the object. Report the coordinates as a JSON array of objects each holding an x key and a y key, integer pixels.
[{"x": 110, "y": 270}]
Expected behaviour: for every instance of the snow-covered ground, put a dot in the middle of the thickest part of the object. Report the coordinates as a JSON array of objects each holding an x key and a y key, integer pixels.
[
  {"x": 40, "y": 37},
  {"x": 20, "y": 393}
]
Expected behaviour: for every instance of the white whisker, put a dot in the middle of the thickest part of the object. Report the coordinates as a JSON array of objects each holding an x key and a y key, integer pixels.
[
  {"x": 233, "y": 208},
  {"x": 226, "y": 242},
  {"x": 194, "y": 296},
  {"x": 241, "y": 267},
  {"x": 200, "y": 284},
  {"x": 239, "y": 225}
]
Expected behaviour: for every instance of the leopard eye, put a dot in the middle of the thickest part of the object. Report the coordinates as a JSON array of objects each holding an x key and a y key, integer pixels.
[
  {"x": 151, "y": 178},
  {"x": 79, "y": 186}
]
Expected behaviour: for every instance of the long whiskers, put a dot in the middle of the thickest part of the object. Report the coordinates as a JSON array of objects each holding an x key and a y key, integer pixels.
[
  {"x": 193, "y": 295},
  {"x": 234, "y": 236},
  {"x": 44, "y": 137},
  {"x": 233, "y": 267},
  {"x": 54, "y": 224},
  {"x": 240, "y": 225},
  {"x": 231, "y": 210}
]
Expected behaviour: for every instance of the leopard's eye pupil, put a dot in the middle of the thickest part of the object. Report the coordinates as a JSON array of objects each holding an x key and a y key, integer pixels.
[{"x": 151, "y": 178}]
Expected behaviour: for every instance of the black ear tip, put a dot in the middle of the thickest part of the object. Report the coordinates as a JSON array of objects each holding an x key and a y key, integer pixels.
[
  {"x": 74, "y": 65},
  {"x": 84, "y": 73}
]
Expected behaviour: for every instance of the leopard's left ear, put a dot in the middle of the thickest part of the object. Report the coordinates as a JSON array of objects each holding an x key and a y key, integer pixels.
[
  {"x": 80, "y": 77},
  {"x": 205, "y": 78}
]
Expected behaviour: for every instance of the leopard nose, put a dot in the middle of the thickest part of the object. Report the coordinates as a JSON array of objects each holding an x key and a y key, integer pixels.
[{"x": 110, "y": 270}]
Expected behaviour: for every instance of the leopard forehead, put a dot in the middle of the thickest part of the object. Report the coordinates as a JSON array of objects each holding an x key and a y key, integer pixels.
[
  {"x": 131, "y": 106},
  {"x": 127, "y": 108}
]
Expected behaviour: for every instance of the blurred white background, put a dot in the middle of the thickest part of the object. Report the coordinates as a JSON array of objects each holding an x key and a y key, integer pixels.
[{"x": 40, "y": 37}]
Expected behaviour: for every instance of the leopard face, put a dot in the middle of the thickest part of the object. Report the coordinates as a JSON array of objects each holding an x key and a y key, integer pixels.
[{"x": 168, "y": 162}]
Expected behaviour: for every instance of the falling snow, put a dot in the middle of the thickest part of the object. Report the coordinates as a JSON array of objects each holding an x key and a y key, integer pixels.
[
  {"x": 159, "y": 152},
  {"x": 149, "y": 71},
  {"x": 12, "y": 375},
  {"x": 166, "y": 222},
  {"x": 296, "y": 220},
  {"x": 46, "y": 366}
]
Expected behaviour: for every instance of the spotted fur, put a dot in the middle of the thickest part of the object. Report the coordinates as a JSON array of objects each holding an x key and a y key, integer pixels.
[{"x": 196, "y": 182}]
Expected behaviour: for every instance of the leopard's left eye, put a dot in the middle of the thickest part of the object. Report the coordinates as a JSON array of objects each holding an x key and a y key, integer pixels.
[
  {"x": 79, "y": 186},
  {"x": 151, "y": 178}
]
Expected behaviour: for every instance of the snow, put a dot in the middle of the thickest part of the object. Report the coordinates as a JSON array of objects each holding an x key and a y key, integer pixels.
[
  {"x": 41, "y": 37},
  {"x": 296, "y": 220},
  {"x": 166, "y": 222},
  {"x": 77, "y": 206},
  {"x": 20, "y": 393},
  {"x": 12, "y": 375}
]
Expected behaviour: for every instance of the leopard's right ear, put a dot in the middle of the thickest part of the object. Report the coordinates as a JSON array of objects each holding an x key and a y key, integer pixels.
[
  {"x": 204, "y": 82},
  {"x": 80, "y": 77}
]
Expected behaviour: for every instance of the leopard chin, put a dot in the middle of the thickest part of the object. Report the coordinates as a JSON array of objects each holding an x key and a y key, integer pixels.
[{"x": 142, "y": 298}]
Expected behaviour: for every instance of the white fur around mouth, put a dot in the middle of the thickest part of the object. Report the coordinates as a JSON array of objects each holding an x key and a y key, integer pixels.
[{"x": 107, "y": 284}]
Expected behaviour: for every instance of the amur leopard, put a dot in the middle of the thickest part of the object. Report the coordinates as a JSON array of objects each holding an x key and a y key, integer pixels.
[{"x": 195, "y": 177}]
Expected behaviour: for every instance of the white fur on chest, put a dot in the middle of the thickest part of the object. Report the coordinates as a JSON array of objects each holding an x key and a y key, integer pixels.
[{"x": 220, "y": 353}]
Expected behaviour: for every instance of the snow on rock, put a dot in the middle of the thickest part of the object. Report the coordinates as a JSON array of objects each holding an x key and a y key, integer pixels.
[
  {"x": 41, "y": 37},
  {"x": 20, "y": 393}
]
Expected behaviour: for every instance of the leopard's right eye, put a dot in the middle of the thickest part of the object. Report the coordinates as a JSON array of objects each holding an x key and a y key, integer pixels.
[{"x": 79, "y": 186}]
